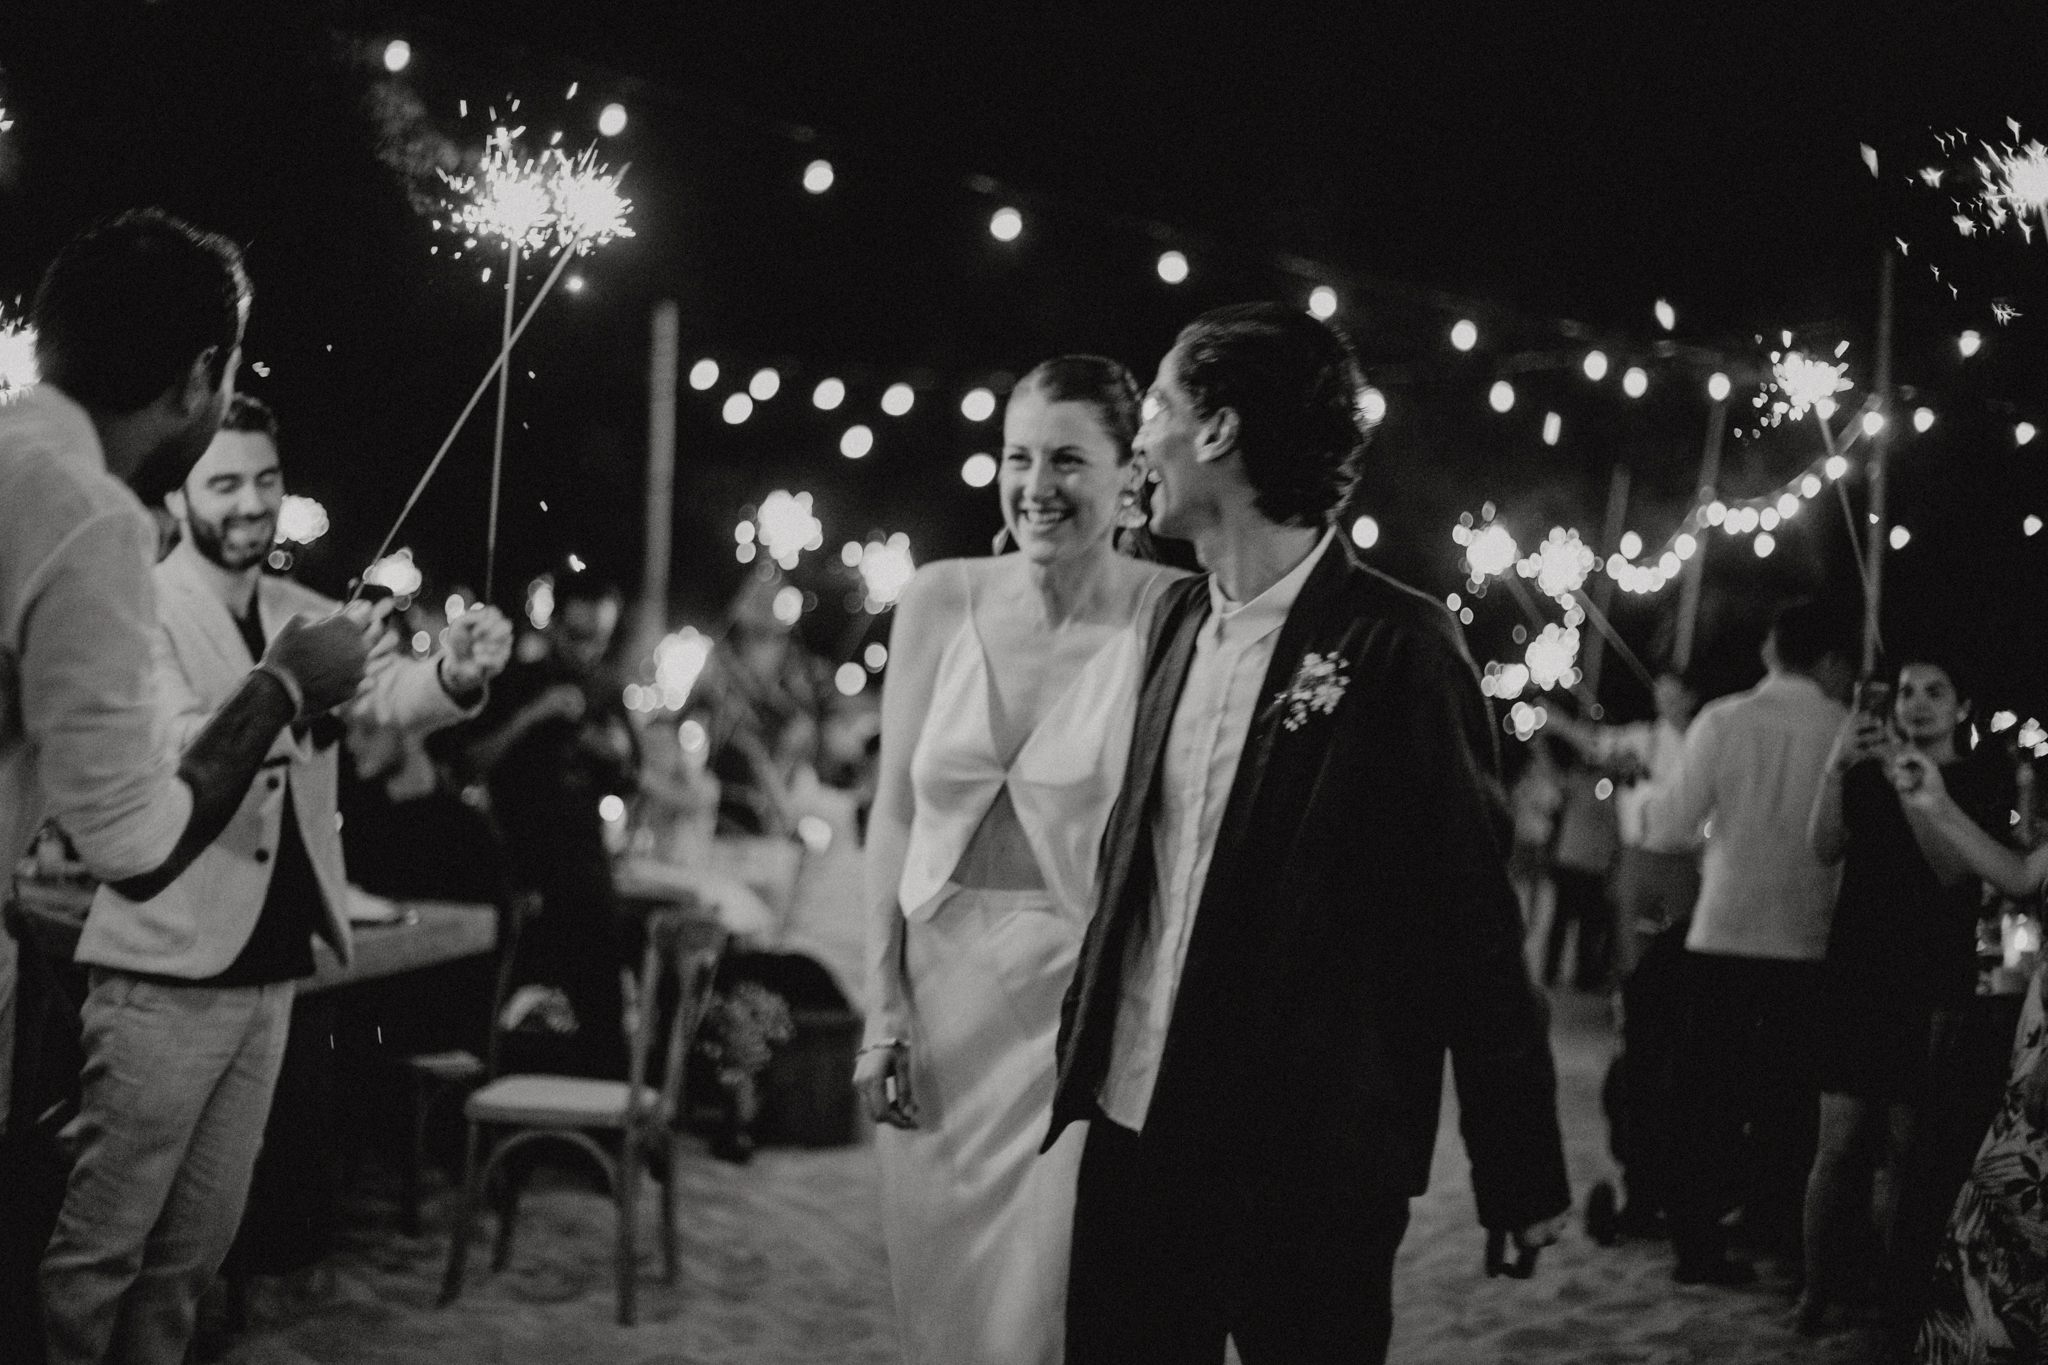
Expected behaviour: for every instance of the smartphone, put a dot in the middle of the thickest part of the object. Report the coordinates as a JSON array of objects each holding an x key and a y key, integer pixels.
[{"x": 1874, "y": 698}]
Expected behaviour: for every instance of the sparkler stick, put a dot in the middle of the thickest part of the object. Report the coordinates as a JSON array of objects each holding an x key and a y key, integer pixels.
[
  {"x": 498, "y": 437},
  {"x": 1606, "y": 628},
  {"x": 476, "y": 397}
]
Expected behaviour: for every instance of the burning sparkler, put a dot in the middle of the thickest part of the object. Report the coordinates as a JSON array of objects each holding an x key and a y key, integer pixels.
[
  {"x": 1804, "y": 382},
  {"x": 2015, "y": 183},
  {"x": 17, "y": 355},
  {"x": 529, "y": 204}
]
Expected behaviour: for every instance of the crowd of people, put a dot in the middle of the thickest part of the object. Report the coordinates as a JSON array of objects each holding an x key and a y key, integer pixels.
[{"x": 1180, "y": 888}]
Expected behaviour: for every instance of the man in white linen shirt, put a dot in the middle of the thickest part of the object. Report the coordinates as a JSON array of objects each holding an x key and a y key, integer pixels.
[
  {"x": 1302, "y": 905},
  {"x": 138, "y": 328},
  {"x": 1752, "y": 765}
]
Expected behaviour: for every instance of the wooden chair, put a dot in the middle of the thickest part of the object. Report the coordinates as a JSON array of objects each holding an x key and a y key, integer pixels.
[
  {"x": 433, "y": 1078},
  {"x": 520, "y": 1110}
]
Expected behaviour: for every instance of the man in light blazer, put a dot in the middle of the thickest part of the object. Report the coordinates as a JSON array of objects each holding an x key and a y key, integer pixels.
[
  {"x": 192, "y": 988},
  {"x": 1302, "y": 905}
]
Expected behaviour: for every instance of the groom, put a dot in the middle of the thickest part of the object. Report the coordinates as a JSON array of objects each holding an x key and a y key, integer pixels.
[{"x": 1302, "y": 905}]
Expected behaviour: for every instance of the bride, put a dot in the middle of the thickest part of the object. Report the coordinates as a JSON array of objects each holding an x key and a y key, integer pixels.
[{"x": 1006, "y": 719}]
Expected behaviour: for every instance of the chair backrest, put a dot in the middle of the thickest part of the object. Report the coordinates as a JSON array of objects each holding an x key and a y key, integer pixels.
[{"x": 684, "y": 941}]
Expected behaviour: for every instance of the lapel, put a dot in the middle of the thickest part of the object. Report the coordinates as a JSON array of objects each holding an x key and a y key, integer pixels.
[
  {"x": 204, "y": 634},
  {"x": 1270, "y": 748}
]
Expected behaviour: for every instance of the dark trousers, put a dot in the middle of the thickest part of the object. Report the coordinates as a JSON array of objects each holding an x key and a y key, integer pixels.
[
  {"x": 1167, "y": 1265},
  {"x": 1581, "y": 900},
  {"x": 1640, "y": 1094},
  {"x": 1748, "y": 1115},
  {"x": 1971, "y": 1053}
]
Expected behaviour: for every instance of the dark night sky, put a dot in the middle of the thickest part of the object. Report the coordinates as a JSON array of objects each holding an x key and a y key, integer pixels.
[{"x": 1523, "y": 165}]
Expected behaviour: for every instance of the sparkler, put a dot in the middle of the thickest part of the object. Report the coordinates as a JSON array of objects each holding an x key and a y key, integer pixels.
[
  {"x": 2015, "y": 183},
  {"x": 553, "y": 201},
  {"x": 17, "y": 355}
]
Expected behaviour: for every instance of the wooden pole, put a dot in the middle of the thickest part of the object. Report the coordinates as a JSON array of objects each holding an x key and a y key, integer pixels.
[
  {"x": 1603, "y": 590},
  {"x": 661, "y": 471},
  {"x": 1880, "y": 452},
  {"x": 1690, "y": 576}
]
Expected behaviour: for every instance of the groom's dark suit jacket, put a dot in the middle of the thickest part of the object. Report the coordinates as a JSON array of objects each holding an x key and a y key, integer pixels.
[{"x": 1356, "y": 924}]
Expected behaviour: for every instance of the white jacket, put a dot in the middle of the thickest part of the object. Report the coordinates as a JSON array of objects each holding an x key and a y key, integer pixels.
[{"x": 196, "y": 926}]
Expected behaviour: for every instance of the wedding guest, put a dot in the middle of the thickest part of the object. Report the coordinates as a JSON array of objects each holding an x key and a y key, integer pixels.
[
  {"x": 1656, "y": 883},
  {"x": 1753, "y": 765},
  {"x": 1303, "y": 905},
  {"x": 553, "y": 742},
  {"x": 1902, "y": 957},
  {"x": 185, "y": 1027},
  {"x": 1533, "y": 803},
  {"x": 1581, "y": 862},
  {"x": 1989, "y": 1301},
  {"x": 138, "y": 332},
  {"x": 1006, "y": 717}
]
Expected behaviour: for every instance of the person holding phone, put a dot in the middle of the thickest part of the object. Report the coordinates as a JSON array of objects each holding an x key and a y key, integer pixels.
[
  {"x": 1901, "y": 953},
  {"x": 1988, "y": 1299}
]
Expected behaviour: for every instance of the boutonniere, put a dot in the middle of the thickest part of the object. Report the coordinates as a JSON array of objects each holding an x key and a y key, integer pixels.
[{"x": 1318, "y": 685}]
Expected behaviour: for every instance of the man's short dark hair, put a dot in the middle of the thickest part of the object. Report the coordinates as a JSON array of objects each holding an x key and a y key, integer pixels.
[
  {"x": 585, "y": 585},
  {"x": 1805, "y": 631},
  {"x": 247, "y": 412},
  {"x": 130, "y": 303},
  {"x": 1294, "y": 385}
]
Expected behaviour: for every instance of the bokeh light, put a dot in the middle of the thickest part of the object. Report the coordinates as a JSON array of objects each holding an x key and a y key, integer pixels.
[
  {"x": 1595, "y": 365},
  {"x": 1322, "y": 302},
  {"x": 818, "y": 176},
  {"x": 979, "y": 470},
  {"x": 1006, "y": 225},
  {"x": 738, "y": 408},
  {"x": 1173, "y": 267},
  {"x": 978, "y": 405},
  {"x": 1501, "y": 397},
  {"x": 857, "y": 441},
  {"x": 703, "y": 374},
  {"x": 1634, "y": 382},
  {"x": 611, "y": 120},
  {"x": 1365, "y": 533},
  {"x": 898, "y": 399},
  {"x": 829, "y": 394},
  {"x": 765, "y": 384},
  {"x": 1464, "y": 334},
  {"x": 397, "y": 55}
]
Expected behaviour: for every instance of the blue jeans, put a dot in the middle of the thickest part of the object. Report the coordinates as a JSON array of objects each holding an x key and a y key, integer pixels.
[{"x": 176, "y": 1090}]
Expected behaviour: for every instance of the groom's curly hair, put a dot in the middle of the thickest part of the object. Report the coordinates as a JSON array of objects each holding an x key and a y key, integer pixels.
[{"x": 1296, "y": 387}]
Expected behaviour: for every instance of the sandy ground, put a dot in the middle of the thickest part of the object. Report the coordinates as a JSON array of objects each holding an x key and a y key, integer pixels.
[{"x": 783, "y": 1263}]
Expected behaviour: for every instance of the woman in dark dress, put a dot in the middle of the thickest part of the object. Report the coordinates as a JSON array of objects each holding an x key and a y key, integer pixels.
[{"x": 1901, "y": 958}]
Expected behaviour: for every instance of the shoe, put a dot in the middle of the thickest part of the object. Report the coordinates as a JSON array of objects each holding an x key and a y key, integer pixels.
[
  {"x": 1641, "y": 1224},
  {"x": 1721, "y": 1271}
]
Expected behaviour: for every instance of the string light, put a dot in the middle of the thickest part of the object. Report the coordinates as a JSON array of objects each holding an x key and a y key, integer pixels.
[
  {"x": 1464, "y": 334},
  {"x": 1631, "y": 544},
  {"x": 1923, "y": 418},
  {"x": 2031, "y": 524},
  {"x": 738, "y": 408},
  {"x": 1553, "y": 428},
  {"x": 897, "y": 399},
  {"x": 765, "y": 384},
  {"x": 876, "y": 656},
  {"x": 979, "y": 470},
  {"x": 1595, "y": 365},
  {"x": 1365, "y": 533},
  {"x": 703, "y": 374},
  {"x": 1764, "y": 544},
  {"x": 1006, "y": 225},
  {"x": 1969, "y": 343},
  {"x": 1900, "y": 537},
  {"x": 1173, "y": 267},
  {"x": 850, "y": 679},
  {"x": 857, "y": 441},
  {"x": 818, "y": 176},
  {"x": 611, "y": 120},
  {"x": 1501, "y": 397},
  {"x": 829, "y": 394},
  {"x": 978, "y": 405},
  {"x": 1322, "y": 302},
  {"x": 1667, "y": 316},
  {"x": 1372, "y": 406},
  {"x": 2023, "y": 433},
  {"x": 1873, "y": 423},
  {"x": 1635, "y": 383},
  {"x": 1718, "y": 387},
  {"x": 397, "y": 55}
]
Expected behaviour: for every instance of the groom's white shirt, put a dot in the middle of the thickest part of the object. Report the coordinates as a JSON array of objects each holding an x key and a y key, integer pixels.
[{"x": 1210, "y": 725}]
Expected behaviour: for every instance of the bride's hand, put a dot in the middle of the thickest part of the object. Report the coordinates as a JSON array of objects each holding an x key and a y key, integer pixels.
[
  {"x": 1917, "y": 779},
  {"x": 881, "y": 1074}
]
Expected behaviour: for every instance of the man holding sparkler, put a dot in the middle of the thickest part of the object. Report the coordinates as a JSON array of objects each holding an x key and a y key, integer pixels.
[
  {"x": 138, "y": 332},
  {"x": 185, "y": 1027}
]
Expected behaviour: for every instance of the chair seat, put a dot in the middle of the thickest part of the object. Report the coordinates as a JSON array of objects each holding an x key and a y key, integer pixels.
[
  {"x": 537, "y": 1101},
  {"x": 458, "y": 1064}
]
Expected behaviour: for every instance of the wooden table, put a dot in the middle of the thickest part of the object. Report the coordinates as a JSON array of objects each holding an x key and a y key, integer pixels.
[{"x": 431, "y": 933}]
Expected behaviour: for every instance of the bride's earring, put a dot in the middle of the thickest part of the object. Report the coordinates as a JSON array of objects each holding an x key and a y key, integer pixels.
[{"x": 1002, "y": 543}]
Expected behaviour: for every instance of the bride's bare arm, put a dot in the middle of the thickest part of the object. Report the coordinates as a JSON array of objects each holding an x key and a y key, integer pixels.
[{"x": 925, "y": 618}]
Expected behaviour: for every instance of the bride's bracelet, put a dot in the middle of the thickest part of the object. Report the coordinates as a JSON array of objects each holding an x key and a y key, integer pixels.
[{"x": 884, "y": 1045}]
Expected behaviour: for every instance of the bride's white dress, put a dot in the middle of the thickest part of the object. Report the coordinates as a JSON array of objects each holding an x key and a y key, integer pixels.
[{"x": 978, "y": 1224}]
